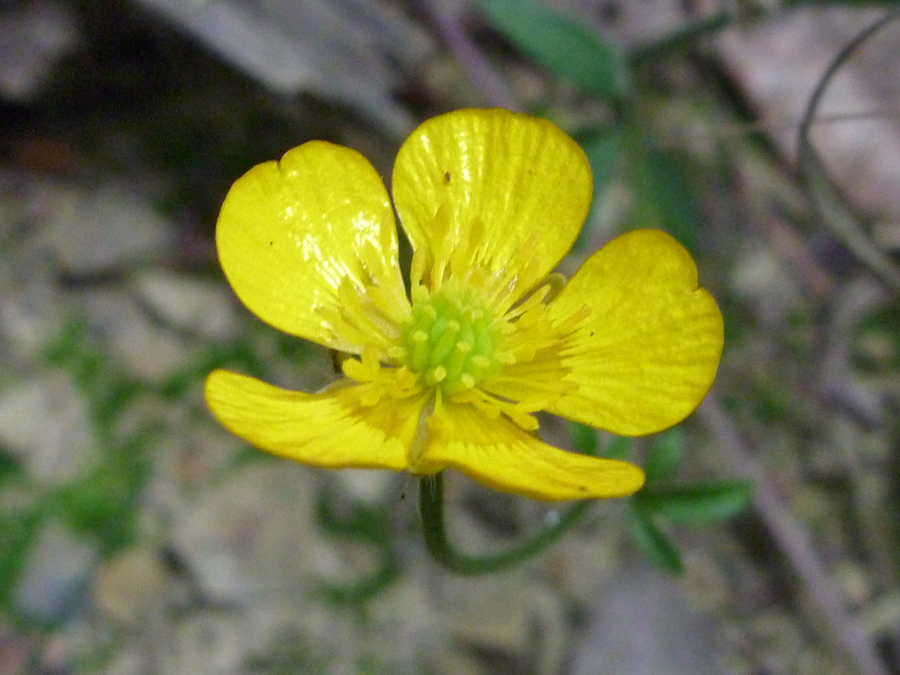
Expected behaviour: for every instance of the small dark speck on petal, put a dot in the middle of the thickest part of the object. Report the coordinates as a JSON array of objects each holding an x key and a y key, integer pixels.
[{"x": 446, "y": 178}]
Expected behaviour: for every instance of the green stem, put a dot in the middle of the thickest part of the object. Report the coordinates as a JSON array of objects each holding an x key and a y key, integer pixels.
[{"x": 431, "y": 508}]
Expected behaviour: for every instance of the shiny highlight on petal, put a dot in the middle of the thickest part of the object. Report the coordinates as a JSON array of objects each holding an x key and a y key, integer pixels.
[
  {"x": 494, "y": 193},
  {"x": 454, "y": 374},
  {"x": 299, "y": 237}
]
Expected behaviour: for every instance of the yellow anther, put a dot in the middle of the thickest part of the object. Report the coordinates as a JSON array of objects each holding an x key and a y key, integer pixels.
[{"x": 482, "y": 362}]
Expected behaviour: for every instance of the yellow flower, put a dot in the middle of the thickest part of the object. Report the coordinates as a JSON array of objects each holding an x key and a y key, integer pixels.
[{"x": 450, "y": 374}]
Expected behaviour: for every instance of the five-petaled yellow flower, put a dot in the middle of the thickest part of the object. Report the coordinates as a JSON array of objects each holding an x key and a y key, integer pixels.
[{"x": 451, "y": 373}]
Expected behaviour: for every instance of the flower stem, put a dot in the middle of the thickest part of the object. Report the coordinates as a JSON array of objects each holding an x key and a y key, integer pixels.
[{"x": 431, "y": 508}]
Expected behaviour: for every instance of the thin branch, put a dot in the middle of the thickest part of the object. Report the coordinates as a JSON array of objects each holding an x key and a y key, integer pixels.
[
  {"x": 827, "y": 204},
  {"x": 793, "y": 541},
  {"x": 478, "y": 70}
]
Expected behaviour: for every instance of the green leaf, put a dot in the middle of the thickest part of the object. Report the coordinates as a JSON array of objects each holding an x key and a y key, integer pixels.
[
  {"x": 354, "y": 521},
  {"x": 665, "y": 454},
  {"x": 17, "y": 530},
  {"x": 584, "y": 439},
  {"x": 563, "y": 45},
  {"x": 617, "y": 448},
  {"x": 681, "y": 39},
  {"x": 653, "y": 544},
  {"x": 8, "y": 466},
  {"x": 698, "y": 504},
  {"x": 664, "y": 195},
  {"x": 603, "y": 148}
]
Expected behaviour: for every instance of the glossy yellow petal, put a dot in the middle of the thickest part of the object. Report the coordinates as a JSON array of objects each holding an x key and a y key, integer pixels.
[
  {"x": 649, "y": 349},
  {"x": 292, "y": 234},
  {"x": 508, "y": 191},
  {"x": 332, "y": 429},
  {"x": 499, "y": 454}
]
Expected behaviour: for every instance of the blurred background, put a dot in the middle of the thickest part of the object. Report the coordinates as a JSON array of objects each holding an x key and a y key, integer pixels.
[{"x": 138, "y": 537}]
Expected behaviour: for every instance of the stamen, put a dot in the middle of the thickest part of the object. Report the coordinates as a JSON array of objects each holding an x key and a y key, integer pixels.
[
  {"x": 482, "y": 362},
  {"x": 370, "y": 397}
]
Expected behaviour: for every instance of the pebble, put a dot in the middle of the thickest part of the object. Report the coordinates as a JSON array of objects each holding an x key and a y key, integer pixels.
[
  {"x": 57, "y": 573},
  {"x": 190, "y": 304},
  {"x": 149, "y": 351},
  {"x": 34, "y": 36},
  {"x": 108, "y": 228},
  {"x": 50, "y": 453},
  {"x": 131, "y": 585},
  {"x": 643, "y": 625},
  {"x": 252, "y": 534}
]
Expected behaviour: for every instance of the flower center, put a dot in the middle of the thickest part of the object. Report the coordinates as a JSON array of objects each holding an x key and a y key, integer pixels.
[{"x": 450, "y": 341}]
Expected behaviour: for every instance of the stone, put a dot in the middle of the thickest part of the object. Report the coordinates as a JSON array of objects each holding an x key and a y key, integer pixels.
[
  {"x": 44, "y": 423},
  {"x": 57, "y": 573},
  {"x": 504, "y": 614},
  {"x": 130, "y": 586},
  {"x": 34, "y": 36},
  {"x": 190, "y": 304},
  {"x": 213, "y": 643},
  {"x": 348, "y": 50},
  {"x": 145, "y": 349},
  {"x": 645, "y": 626},
  {"x": 253, "y": 534},
  {"x": 109, "y": 228}
]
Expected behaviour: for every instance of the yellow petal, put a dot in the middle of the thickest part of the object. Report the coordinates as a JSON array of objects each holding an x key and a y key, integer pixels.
[
  {"x": 291, "y": 232},
  {"x": 332, "y": 429},
  {"x": 516, "y": 191},
  {"x": 499, "y": 454},
  {"x": 649, "y": 349}
]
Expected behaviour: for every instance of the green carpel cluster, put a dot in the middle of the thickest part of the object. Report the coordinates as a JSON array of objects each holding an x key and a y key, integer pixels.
[{"x": 450, "y": 341}]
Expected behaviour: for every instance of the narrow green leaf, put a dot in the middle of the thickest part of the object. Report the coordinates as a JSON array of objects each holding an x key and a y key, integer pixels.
[
  {"x": 563, "y": 45},
  {"x": 664, "y": 194},
  {"x": 17, "y": 531},
  {"x": 681, "y": 39},
  {"x": 617, "y": 448},
  {"x": 665, "y": 454},
  {"x": 584, "y": 438},
  {"x": 603, "y": 148},
  {"x": 585, "y": 441},
  {"x": 698, "y": 504},
  {"x": 653, "y": 544}
]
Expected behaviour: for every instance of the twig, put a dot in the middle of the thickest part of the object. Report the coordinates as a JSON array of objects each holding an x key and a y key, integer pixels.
[
  {"x": 827, "y": 204},
  {"x": 793, "y": 541},
  {"x": 479, "y": 71}
]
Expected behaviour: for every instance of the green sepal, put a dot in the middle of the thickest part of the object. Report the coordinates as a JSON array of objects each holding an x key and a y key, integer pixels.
[{"x": 698, "y": 504}]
